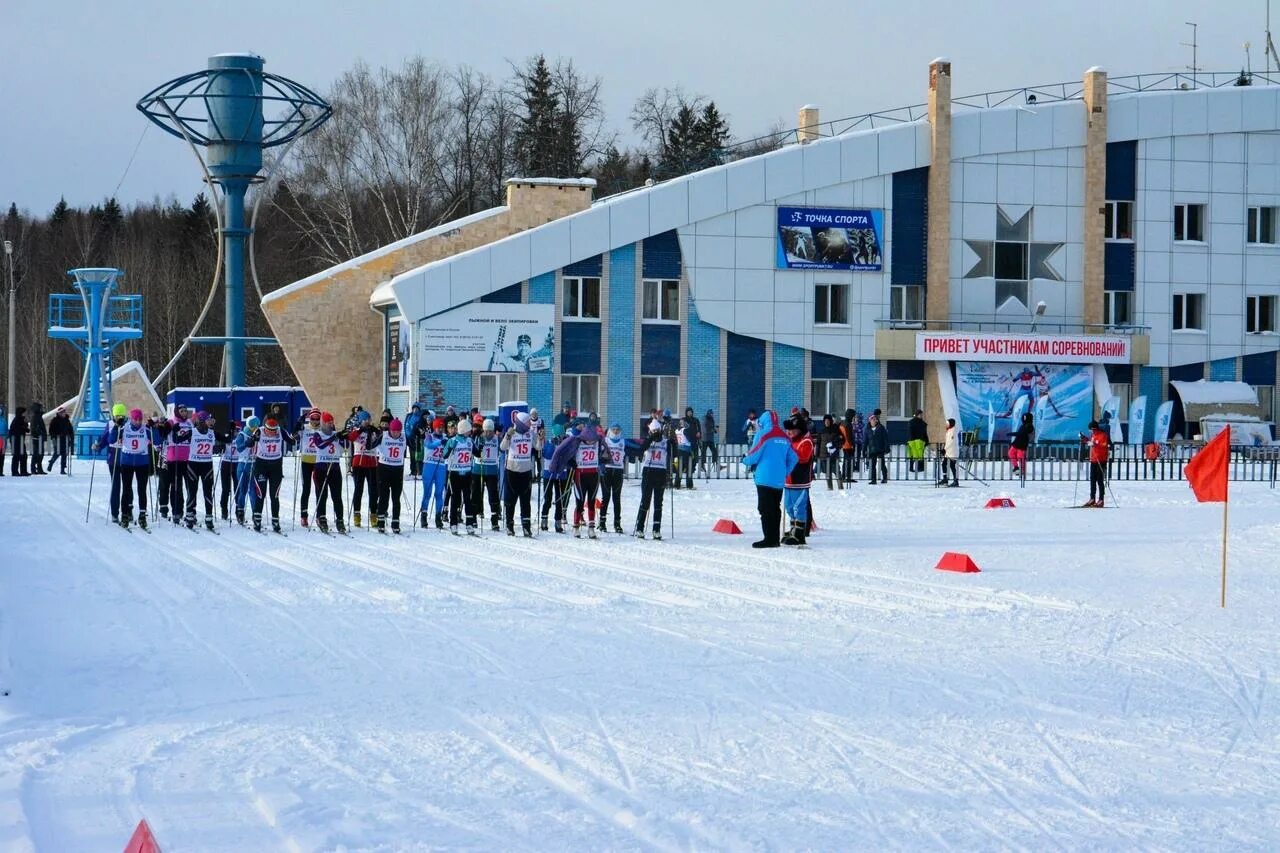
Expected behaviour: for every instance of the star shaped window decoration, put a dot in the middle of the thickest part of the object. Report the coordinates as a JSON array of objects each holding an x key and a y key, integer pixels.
[{"x": 1013, "y": 259}]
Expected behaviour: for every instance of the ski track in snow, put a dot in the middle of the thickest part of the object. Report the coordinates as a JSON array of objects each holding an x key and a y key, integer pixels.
[{"x": 426, "y": 691}]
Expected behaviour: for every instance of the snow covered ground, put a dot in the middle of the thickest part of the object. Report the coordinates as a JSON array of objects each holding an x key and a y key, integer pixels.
[{"x": 248, "y": 692}]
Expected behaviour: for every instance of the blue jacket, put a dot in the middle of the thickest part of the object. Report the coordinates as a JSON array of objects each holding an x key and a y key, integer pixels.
[
  {"x": 411, "y": 421},
  {"x": 548, "y": 453},
  {"x": 771, "y": 454}
]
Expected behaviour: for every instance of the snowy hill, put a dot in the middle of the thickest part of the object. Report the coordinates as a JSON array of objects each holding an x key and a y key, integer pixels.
[{"x": 253, "y": 692}]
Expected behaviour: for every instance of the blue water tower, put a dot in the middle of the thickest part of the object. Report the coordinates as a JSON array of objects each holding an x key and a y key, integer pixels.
[{"x": 235, "y": 110}]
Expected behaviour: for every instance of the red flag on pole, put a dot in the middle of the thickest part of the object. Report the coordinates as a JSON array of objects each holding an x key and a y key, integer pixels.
[{"x": 1207, "y": 470}]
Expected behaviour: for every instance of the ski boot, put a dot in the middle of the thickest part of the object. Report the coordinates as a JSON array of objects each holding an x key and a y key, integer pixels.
[
  {"x": 323, "y": 524},
  {"x": 124, "y": 521},
  {"x": 355, "y": 519},
  {"x": 471, "y": 529},
  {"x": 617, "y": 528},
  {"x": 543, "y": 528},
  {"x": 453, "y": 528},
  {"x": 559, "y": 526},
  {"x": 257, "y": 525},
  {"x": 511, "y": 529},
  {"x": 275, "y": 525},
  {"x": 791, "y": 537},
  {"x": 142, "y": 520},
  {"x": 164, "y": 512},
  {"x": 577, "y": 531},
  {"x": 591, "y": 530},
  {"x": 439, "y": 521},
  {"x": 303, "y": 521},
  {"x": 208, "y": 522},
  {"x": 527, "y": 528},
  {"x": 639, "y": 532},
  {"x": 225, "y": 515},
  {"x": 657, "y": 533},
  {"x": 493, "y": 524},
  {"x": 190, "y": 523},
  {"x": 395, "y": 526},
  {"x": 342, "y": 528},
  {"x": 240, "y": 517},
  {"x": 373, "y": 520},
  {"x": 382, "y": 527}
]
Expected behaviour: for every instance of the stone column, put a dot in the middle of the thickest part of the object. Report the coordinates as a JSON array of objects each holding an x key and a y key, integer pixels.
[
  {"x": 938, "y": 250},
  {"x": 807, "y": 126},
  {"x": 1095, "y": 198}
]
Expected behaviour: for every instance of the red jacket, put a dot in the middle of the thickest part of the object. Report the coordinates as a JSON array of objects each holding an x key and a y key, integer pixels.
[
  {"x": 802, "y": 474},
  {"x": 358, "y": 459},
  {"x": 1099, "y": 446}
]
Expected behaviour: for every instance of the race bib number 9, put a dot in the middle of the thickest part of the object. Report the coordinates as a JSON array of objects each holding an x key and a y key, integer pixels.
[{"x": 135, "y": 445}]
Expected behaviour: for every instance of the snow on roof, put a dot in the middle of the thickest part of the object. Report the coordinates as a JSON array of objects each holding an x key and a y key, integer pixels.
[
  {"x": 552, "y": 182},
  {"x": 360, "y": 260},
  {"x": 1206, "y": 393}
]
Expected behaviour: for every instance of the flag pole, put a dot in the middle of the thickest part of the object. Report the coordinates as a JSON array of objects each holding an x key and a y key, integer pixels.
[{"x": 1224, "y": 553}]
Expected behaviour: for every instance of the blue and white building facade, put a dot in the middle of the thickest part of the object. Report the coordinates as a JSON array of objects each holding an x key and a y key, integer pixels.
[{"x": 1147, "y": 217}]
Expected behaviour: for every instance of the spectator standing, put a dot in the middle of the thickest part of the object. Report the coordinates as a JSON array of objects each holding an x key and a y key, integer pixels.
[
  {"x": 951, "y": 455},
  {"x": 917, "y": 441},
  {"x": 830, "y": 445},
  {"x": 61, "y": 432},
  {"x": 710, "y": 442},
  {"x": 877, "y": 448},
  {"x": 35, "y": 421},
  {"x": 772, "y": 459},
  {"x": 18, "y": 430}
]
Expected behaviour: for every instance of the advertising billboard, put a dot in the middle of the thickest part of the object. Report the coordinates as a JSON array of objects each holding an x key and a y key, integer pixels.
[
  {"x": 1060, "y": 396},
  {"x": 490, "y": 337},
  {"x": 829, "y": 238}
]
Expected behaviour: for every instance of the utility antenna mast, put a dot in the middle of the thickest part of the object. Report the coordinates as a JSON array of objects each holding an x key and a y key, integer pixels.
[{"x": 1194, "y": 45}]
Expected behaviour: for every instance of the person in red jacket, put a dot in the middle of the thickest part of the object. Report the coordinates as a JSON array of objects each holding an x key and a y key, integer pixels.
[
  {"x": 796, "y": 489},
  {"x": 1099, "y": 449},
  {"x": 364, "y": 467}
]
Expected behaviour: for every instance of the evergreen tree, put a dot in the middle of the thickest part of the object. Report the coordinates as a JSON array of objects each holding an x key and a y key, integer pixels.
[
  {"x": 614, "y": 172},
  {"x": 711, "y": 134},
  {"x": 680, "y": 148},
  {"x": 538, "y": 151},
  {"x": 60, "y": 212}
]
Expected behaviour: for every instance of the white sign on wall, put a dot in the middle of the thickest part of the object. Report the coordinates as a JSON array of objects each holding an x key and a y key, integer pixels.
[
  {"x": 490, "y": 337},
  {"x": 1049, "y": 349}
]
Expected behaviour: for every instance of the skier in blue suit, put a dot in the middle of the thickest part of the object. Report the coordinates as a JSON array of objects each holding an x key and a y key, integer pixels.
[{"x": 435, "y": 474}]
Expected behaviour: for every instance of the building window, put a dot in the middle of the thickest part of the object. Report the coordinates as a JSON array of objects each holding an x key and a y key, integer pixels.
[
  {"x": 659, "y": 392},
  {"x": 1188, "y": 223},
  {"x": 1188, "y": 311},
  {"x": 1267, "y": 399},
  {"x": 498, "y": 388},
  {"x": 827, "y": 397},
  {"x": 831, "y": 304},
  {"x": 1262, "y": 225},
  {"x": 1116, "y": 308},
  {"x": 1260, "y": 315},
  {"x": 903, "y": 397},
  {"x": 1011, "y": 260},
  {"x": 1119, "y": 220},
  {"x": 906, "y": 303},
  {"x": 1006, "y": 290},
  {"x": 581, "y": 390},
  {"x": 662, "y": 300},
  {"x": 581, "y": 299}
]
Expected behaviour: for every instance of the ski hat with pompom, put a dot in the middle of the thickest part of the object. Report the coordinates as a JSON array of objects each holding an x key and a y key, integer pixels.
[
  {"x": 464, "y": 427},
  {"x": 136, "y": 414},
  {"x": 271, "y": 423},
  {"x": 326, "y": 418},
  {"x": 395, "y": 425},
  {"x": 522, "y": 421}
]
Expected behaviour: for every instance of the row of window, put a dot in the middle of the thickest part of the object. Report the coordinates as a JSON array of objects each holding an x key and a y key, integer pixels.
[
  {"x": 1259, "y": 313},
  {"x": 831, "y": 303},
  {"x": 1188, "y": 225},
  {"x": 580, "y": 299}
]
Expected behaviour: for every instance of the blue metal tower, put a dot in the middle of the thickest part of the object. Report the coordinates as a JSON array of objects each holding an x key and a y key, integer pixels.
[
  {"x": 234, "y": 110},
  {"x": 96, "y": 323}
]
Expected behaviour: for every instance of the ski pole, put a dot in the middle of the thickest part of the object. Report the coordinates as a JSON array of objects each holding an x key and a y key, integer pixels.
[
  {"x": 296, "y": 465},
  {"x": 92, "y": 468},
  {"x": 416, "y": 511}
]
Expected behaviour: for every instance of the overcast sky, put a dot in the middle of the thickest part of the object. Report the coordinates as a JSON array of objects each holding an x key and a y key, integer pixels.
[{"x": 71, "y": 71}]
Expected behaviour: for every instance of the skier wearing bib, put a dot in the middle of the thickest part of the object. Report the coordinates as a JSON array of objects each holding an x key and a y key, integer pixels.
[
  {"x": 200, "y": 470},
  {"x": 177, "y": 435},
  {"x": 364, "y": 467},
  {"x": 654, "y": 467},
  {"x": 224, "y": 444},
  {"x": 325, "y": 444},
  {"x": 435, "y": 474},
  {"x": 392, "y": 447},
  {"x": 485, "y": 449},
  {"x": 268, "y": 472},
  {"x": 614, "y": 455},
  {"x": 518, "y": 475},
  {"x": 310, "y": 427},
  {"x": 244, "y": 465},
  {"x": 457, "y": 454},
  {"x": 583, "y": 452},
  {"x": 133, "y": 441},
  {"x": 554, "y": 485}
]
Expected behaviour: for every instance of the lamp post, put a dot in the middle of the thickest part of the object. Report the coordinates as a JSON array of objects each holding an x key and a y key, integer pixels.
[{"x": 8, "y": 253}]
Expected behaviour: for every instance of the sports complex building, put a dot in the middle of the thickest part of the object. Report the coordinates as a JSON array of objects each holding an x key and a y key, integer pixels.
[{"x": 1050, "y": 250}]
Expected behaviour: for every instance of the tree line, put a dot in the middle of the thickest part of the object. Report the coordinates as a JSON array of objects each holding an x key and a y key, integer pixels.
[{"x": 407, "y": 148}]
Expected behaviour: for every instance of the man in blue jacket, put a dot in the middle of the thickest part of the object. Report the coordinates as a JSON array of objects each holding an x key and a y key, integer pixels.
[{"x": 773, "y": 458}]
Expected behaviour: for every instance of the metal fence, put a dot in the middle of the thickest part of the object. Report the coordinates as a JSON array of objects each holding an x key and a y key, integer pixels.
[{"x": 1045, "y": 462}]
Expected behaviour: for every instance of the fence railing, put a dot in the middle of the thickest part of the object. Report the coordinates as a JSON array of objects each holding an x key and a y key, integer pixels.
[{"x": 1045, "y": 462}]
